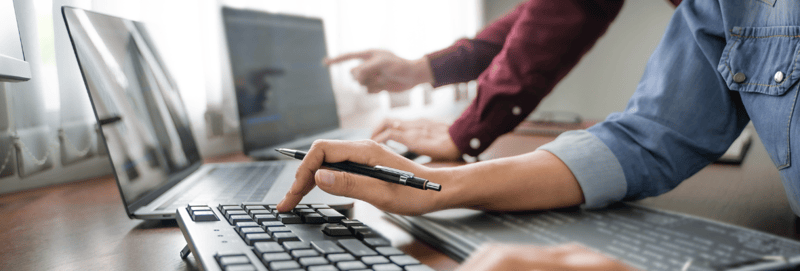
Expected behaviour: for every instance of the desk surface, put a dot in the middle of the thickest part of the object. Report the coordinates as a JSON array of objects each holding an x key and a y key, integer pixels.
[{"x": 83, "y": 226}]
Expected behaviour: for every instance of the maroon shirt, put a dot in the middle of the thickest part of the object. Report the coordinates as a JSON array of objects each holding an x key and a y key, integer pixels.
[{"x": 517, "y": 60}]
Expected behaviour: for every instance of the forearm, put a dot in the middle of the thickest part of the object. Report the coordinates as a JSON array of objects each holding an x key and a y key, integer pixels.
[{"x": 537, "y": 180}]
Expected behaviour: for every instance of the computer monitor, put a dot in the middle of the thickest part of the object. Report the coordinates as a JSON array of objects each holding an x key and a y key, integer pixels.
[{"x": 13, "y": 67}]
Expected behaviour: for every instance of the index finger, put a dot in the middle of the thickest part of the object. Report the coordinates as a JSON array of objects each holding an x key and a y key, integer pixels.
[
  {"x": 348, "y": 56},
  {"x": 364, "y": 152}
]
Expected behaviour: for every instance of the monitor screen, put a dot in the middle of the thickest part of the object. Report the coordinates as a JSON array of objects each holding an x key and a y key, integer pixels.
[
  {"x": 283, "y": 90},
  {"x": 143, "y": 119},
  {"x": 13, "y": 67}
]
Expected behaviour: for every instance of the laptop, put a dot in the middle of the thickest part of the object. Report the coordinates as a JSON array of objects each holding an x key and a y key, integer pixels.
[
  {"x": 147, "y": 131},
  {"x": 283, "y": 91}
]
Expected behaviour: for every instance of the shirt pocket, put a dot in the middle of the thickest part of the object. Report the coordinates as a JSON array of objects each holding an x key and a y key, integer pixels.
[
  {"x": 761, "y": 59},
  {"x": 761, "y": 63}
]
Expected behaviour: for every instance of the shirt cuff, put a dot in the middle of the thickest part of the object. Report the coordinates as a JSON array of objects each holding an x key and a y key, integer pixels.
[{"x": 598, "y": 171}]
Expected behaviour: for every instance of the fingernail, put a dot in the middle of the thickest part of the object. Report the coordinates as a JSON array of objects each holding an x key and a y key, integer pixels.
[{"x": 326, "y": 177}]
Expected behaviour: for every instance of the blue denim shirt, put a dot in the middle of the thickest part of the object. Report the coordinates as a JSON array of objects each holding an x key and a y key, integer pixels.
[{"x": 715, "y": 69}]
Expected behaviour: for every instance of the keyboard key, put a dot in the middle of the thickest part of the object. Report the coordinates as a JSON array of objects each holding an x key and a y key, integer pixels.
[
  {"x": 268, "y": 224},
  {"x": 288, "y": 218},
  {"x": 336, "y": 230},
  {"x": 204, "y": 216},
  {"x": 266, "y": 258},
  {"x": 340, "y": 257},
  {"x": 304, "y": 253},
  {"x": 355, "y": 229},
  {"x": 241, "y": 267},
  {"x": 377, "y": 242},
  {"x": 302, "y": 206},
  {"x": 283, "y": 265},
  {"x": 403, "y": 260},
  {"x": 264, "y": 217},
  {"x": 281, "y": 237},
  {"x": 246, "y": 230},
  {"x": 194, "y": 208},
  {"x": 367, "y": 234},
  {"x": 234, "y": 212},
  {"x": 351, "y": 222},
  {"x": 272, "y": 207},
  {"x": 268, "y": 247},
  {"x": 386, "y": 267},
  {"x": 313, "y": 218},
  {"x": 232, "y": 260},
  {"x": 351, "y": 265},
  {"x": 371, "y": 260},
  {"x": 418, "y": 268},
  {"x": 256, "y": 237},
  {"x": 356, "y": 247},
  {"x": 323, "y": 268},
  {"x": 273, "y": 230},
  {"x": 239, "y": 218},
  {"x": 331, "y": 215},
  {"x": 254, "y": 207},
  {"x": 246, "y": 224},
  {"x": 309, "y": 261},
  {"x": 388, "y": 251},
  {"x": 320, "y": 206},
  {"x": 326, "y": 247},
  {"x": 296, "y": 245},
  {"x": 301, "y": 211},
  {"x": 260, "y": 212}
]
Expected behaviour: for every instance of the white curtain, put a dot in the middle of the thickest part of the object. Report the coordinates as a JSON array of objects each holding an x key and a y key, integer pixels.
[{"x": 47, "y": 128}]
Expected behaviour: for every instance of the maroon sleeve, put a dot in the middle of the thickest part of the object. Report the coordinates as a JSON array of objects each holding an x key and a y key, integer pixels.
[
  {"x": 542, "y": 46},
  {"x": 467, "y": 58}
]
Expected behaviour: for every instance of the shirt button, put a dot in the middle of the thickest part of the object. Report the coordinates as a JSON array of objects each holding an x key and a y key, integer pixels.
[
  {"x": 475, "y": 143},
  {"x": 516, "y": 110},
  {"x": 778, "y": 77},
  {"x": 739, "y": 77}
]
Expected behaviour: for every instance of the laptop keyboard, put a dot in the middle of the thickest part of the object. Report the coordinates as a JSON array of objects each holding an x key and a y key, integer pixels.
[
  {"x": 230, "y": 183},
  {"x": 254, "y": 236}
]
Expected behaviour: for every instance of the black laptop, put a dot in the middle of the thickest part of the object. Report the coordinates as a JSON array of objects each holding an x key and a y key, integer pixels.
[
  {"x": 146, "y": 128},
  {"x": 283, "y": 91}
]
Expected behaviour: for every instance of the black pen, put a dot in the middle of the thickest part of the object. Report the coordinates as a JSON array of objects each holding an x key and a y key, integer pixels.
[{"x": 378, "y": 172}]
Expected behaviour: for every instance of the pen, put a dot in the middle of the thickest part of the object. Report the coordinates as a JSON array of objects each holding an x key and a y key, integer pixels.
[{"x": 378, "y": 172}]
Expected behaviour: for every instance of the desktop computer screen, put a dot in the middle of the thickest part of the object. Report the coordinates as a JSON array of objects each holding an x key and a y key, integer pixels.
[{"x": 283, "y": 89}]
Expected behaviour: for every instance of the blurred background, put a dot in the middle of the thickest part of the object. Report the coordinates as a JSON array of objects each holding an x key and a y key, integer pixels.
[{"x": 49, "y": 122}]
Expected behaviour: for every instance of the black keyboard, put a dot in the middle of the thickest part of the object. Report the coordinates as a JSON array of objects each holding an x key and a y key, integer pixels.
[{"x": 254, "y": 236}]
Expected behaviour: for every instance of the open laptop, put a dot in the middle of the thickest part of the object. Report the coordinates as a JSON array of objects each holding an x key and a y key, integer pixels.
[
  {"x": 147, "y": 131},
  {"x": 283, "y": 91}
]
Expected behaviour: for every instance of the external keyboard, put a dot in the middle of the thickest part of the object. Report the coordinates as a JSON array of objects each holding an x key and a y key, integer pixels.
[{"x": 254, "y": 236}]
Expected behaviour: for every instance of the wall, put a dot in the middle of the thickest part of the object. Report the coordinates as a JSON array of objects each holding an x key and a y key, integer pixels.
[{"x": 607, "y": 76}]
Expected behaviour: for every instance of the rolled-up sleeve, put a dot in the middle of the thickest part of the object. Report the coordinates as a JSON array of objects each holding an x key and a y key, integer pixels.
[
  {"x": 594, "y": 165},
  {"x": 681, "y": 118}
]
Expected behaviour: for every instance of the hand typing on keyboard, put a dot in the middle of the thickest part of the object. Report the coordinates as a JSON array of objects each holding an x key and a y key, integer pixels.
[{"x": 383, "y": 195}]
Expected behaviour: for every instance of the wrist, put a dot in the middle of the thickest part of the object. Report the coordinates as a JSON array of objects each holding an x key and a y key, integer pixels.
[
  {"x": 422, "y": 71},
  {"x": 451, "y": 194}
]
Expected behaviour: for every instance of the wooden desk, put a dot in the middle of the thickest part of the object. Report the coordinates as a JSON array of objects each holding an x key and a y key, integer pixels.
[{"x": 83, "y": 226}]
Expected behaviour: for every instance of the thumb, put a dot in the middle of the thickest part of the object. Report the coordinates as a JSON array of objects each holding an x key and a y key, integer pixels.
[{"x": 346, "y": 184}]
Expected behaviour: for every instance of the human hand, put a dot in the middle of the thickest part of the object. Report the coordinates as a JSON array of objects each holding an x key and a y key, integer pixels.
[
  {"x": 383, "y": 70},
  {"x": 422, "y": 136},
  {"x": 526, "y": 257},
  {"x": 386, "y": 196}
]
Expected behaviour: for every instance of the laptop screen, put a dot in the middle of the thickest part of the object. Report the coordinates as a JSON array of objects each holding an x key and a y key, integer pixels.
[
  {"x": 283, "y": 90},
  {"x": 137, "y": 104}
]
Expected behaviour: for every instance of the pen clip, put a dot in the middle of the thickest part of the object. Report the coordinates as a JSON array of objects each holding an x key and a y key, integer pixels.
[{"x": 399, "y": 173}]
